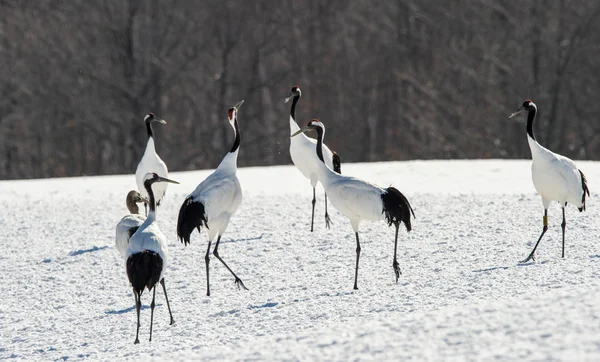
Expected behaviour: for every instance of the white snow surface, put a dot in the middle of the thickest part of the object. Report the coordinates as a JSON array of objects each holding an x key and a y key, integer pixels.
[{"x": 462, "y": 294}]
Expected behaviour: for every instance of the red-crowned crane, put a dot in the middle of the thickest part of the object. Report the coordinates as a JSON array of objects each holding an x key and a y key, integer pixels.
[
  {"x": 555, "y": 177},
  {"x": 214, "y": 201},
  {"x": 360, "y": 200},
  {"x": 146, "y": 254},
  {"x": 302, "y": 152},
  {"x": 128, "y": 225},
  {"x": 151, "y": 162}
]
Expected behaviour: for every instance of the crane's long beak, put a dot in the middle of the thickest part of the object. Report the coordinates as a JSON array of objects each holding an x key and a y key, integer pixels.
[
  {"x": 159, "y": 120},
  {"x": 145, "y": 200},
  {"x": 167, "y": 180},
  {"x": 238, "y": 105},
  {"x": 287, "y": 99},
  {"x": 302, "y": 130},
  {"x": 515, "y": 113}
]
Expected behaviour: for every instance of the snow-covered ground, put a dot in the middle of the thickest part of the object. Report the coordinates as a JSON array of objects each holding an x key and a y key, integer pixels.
[{"x": 462, "y": 295}]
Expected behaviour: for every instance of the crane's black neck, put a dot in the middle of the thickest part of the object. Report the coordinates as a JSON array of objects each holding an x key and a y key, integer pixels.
[
  {"x": 236, "y": 143},
  {"x": 320, "y": 144},
  {"x": 152, "y": 200},
  {"x": 149, "y": 129},
  {"x": 530, "y": 119},
  {"x": 293, "y": 110}
]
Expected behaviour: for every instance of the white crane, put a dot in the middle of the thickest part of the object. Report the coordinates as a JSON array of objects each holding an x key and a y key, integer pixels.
[
  {"x": 128, "y": 225},
  {"x": 555, "y": 177},
  {"x": 214, "y": 201},
  {"x": 302, "y": 152},
  {"x": 151, "y": 162},
  {"x": 146, "y": 255},
  {"x": 359, "y": 200}
]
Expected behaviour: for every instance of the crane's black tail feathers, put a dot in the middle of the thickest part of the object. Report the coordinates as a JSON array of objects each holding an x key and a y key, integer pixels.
[
  {"x": 586, "y": 190},
  {"x": 396, "y": 207},
  {"x": 337, "y": 163},
  {"x": 143, "y": 270},
  {"x": 191, "y": 216}
]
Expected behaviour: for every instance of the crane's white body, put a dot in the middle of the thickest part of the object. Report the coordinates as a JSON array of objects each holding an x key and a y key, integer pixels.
[
  {"x": 555, "y": 177},
  {"x": 354, "y": 198},
  {"x": 302, "y": 152},
  {"x": 123, "y": 231},
  {"x": 149, "y": 237},
  {"x": 221, "y": 195},
  {"x": 151, "y": 162}
]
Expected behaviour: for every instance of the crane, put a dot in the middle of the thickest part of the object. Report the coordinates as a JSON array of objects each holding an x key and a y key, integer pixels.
[
  {"x": 146, "y": 254},
  {"x": 360, "y": 200},
  {"x": 302, "y": 152},
  {"x": 151, "y": 162},
  {"x": 214, "y": 201},
  {"x": 555, "y": 177}
]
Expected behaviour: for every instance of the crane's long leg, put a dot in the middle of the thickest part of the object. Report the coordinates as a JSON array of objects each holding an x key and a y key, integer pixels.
[
  {"x": 564, "y": 226},
  {"x": 162, "y": 282},
  {"x": 545, "y": 219},
  {"x": 314, "y": 201},
  {"x": 138, "y": 306},
  {"x": 357, "y": 258},
  {"x": 146, "y": 209},
  {"x": 327, "y": 219},
  {"x": 238, "y": 281},
  {"x": 207, "y": 260},
  {"x": 395, "y": 263},
  {"x": 152, "y": 310}
]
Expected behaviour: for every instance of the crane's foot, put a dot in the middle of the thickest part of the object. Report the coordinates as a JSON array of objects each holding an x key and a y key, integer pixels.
[
  {"x": 172, "y": 321},
  {"x": 396, "y": 270},
  {"x": 137, "y": 341},
  {"x": 328, "y": 221},
  {"x": 240, "y": 284},
  {"x": 528, "y": 259}
]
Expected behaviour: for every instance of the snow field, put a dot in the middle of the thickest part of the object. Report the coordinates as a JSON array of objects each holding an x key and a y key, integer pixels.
[{"x": 462, "y": 295}]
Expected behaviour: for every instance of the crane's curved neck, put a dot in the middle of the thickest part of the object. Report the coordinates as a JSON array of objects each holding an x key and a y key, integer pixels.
[
  {"x": 132, "y": 206},
  {"x": 293, "y": 109},
  {"x": 326, "y": 175},
  {"x": 530, "y": 119},
  {"x": 229, "y": 162},
  {"x": 293, "y": 124},
  {"x": 236, "y": 142},
  {"x": 320, "y": 135},
  {"x": 152, "y": 201},
  {"x": 149, "y": 129}
]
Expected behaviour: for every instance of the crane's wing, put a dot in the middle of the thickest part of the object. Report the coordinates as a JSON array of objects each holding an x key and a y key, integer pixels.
[
  {"x": 570, "y": 178},
  {"x": 356, "y": 199},
  {"x": 125, "y": 229},
  {"x": 148, "y": 238},
  {"x": 218, "y": 195}
]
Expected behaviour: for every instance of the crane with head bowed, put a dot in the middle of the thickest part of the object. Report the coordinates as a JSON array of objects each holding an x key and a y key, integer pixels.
[
  {"x": 151, "y": 162},
  {"x": 360, "y": 200},
  {"x": 302, "y": 152},
  {"x": 555, "y": 177},
  {"x": 214, "y": 201},
  {"x": 146, "y": 255}
]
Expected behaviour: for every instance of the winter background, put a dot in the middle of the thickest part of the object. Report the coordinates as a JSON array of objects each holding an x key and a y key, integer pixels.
[
  {"x": 462, "y": 294},
  {"x": 393, "y": 81}
]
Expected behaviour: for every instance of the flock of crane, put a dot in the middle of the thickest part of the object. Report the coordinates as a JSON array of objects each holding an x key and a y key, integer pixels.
[{"x": 214, "y": 201}]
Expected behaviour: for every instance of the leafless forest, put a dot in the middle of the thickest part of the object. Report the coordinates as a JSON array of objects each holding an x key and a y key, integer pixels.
[{"x": 392, "y": 80}]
